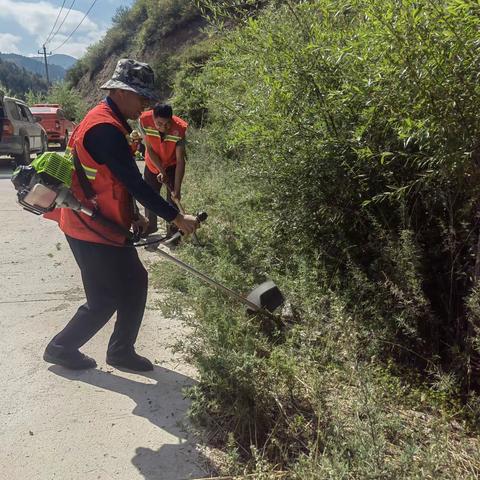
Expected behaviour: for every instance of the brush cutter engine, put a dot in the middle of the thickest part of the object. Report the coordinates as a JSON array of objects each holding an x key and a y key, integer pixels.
[{"x": 45, "y": 185}]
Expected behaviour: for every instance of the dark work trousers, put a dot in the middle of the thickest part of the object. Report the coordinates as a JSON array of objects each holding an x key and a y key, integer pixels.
[
  {"x": 151, "y": 179},
  {"x": 114, "y": 280}
]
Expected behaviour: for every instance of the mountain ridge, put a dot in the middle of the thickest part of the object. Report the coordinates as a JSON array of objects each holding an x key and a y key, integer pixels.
[
  {"x": 18, "y": 81},
  {"x": 59, "y": 59},
  {"x": 36, "y": 65}
]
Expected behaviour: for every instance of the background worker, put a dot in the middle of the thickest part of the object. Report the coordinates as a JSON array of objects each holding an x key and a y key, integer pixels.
[
  {"x": 113, "y": 277},
  {"x": 164, "y": 136},
  {"x": 138, "y": 148}
]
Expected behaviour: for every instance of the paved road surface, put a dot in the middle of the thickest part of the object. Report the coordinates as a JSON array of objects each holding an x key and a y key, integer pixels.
[{"x": 100, "y": 424}]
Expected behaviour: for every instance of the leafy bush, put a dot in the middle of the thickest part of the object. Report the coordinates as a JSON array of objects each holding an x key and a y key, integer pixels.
[
  {"x": 189, "y": 95},
  {"x": 340, "y": 158},
  {"x": 305, "y": 400},
  {"x": 359, "y": 128}
]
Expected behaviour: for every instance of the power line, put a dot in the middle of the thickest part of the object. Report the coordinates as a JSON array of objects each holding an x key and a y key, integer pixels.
[
  {"x": 76, "y": 28},
  {"x": 55, "y": 24},
  {"x": 63, "y": 21}
]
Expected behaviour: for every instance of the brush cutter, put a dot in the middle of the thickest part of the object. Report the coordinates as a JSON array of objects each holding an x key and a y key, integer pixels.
[
  {"x": 266, "y": 298},
  {"x": 45, "y": 185}
]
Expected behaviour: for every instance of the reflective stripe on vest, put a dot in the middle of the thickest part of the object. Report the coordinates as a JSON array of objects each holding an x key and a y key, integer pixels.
[
  {"x": 91, "y": 173},
  {"x": 68, "y": 153},
  {"x": 171, "y": 138},
  {"x": 152, "y": 133}
]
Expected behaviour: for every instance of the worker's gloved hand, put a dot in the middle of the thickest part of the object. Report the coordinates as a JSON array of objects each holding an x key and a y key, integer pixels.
[{"x": 186, "y": 223}]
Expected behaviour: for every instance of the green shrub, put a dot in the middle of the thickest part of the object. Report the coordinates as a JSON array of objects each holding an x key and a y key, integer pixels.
[
  {"x": 357, "y": 130},
  {"x": 72, "y": 103},
  {"x": 189, "y": 96},
  {"x": 70, "y": 100},
  {"x": 297, "y": 401},
  {"x": 339, "y": 158}
]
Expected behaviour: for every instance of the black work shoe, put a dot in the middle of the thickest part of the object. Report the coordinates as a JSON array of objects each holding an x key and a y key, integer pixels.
[
  {"x": 74, "y": 360},
  {"x": 132, "y": 361}
]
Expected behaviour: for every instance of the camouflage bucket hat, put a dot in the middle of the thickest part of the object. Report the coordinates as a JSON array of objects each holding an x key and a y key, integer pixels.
[{"x": 133, "y": 76}]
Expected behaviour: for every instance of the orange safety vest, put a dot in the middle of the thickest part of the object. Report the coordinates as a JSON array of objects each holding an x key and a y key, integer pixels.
[
  {"x": 164, "y": 148},
  {"x": 111, "y": 197}
]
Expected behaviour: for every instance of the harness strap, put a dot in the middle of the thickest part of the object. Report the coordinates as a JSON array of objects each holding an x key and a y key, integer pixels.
[{"x": 82, "y": 178}]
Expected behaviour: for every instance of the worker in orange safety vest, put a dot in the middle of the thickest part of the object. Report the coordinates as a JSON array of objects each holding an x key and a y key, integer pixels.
[
  {"x": 164, "y": 137},
  {"x": 106, "y": 179}
]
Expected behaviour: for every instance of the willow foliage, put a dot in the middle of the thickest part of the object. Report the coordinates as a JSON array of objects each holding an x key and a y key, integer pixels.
[{"x": 356, "y": 123}]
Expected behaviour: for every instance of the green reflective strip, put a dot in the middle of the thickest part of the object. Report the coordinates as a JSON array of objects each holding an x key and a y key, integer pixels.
[
  {"x": 172, "y": 138},
  {"x": 152, "y": 133},
  {"x": 91, "y": 173},
  {"x": 88, "y": 169}
]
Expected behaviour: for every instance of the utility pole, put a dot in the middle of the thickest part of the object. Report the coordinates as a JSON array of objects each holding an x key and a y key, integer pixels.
[{"x": 46, "y": 63}]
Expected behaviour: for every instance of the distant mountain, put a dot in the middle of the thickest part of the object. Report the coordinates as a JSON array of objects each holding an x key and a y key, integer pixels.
[
  {"x": 19, "y": 81},
  {"x": 64, "y": 61},
  {"x": 32, "y": 65}
]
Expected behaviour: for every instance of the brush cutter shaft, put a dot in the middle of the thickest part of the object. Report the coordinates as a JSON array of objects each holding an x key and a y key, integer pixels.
[{"x": 210, "y": 281}]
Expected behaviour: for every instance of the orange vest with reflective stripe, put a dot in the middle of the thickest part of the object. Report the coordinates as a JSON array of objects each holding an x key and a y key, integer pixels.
[
  {"x": 112, "y": 198},
  {"x": 164, "y": 148}
]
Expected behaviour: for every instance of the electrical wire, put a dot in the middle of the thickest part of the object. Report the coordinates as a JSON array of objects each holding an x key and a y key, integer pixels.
[
  {"x": 55, "y": 24},
  {"x": 63, "y": 21},
  {"x": 76, "y": 28}
]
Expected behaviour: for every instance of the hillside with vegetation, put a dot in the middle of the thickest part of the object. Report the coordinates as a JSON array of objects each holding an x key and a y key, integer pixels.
[
  {"x": 336, "y": 148},
  {"x": 155, "y": 31},
  {"x": 16, "y": 81}
]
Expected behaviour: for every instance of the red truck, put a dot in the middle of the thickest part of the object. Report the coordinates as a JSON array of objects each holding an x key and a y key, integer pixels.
[{"x": 57, "y": 126}]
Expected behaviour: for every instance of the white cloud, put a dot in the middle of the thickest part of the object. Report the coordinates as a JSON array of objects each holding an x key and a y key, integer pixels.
[
  {"x": 37, "y": 19},
  {"x": 8, "y": 43}
]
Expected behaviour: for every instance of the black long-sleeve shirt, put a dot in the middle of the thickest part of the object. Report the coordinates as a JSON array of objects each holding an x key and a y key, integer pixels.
[{"x": 108, "y": 146}]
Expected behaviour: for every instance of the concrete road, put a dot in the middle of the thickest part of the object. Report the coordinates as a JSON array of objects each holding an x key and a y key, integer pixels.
[{"x": 99, "y": 424}]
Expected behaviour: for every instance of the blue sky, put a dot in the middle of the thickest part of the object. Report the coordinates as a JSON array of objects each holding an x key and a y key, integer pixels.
[{"x": 26, "y": 24}]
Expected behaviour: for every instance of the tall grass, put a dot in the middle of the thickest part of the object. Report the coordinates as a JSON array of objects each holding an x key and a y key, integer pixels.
[{"x": 338, "y": 156}]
